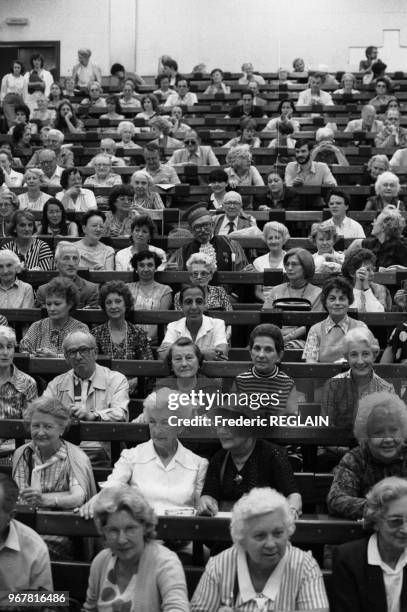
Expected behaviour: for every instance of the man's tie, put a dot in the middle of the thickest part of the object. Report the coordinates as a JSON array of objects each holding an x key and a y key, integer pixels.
[{"x": 231, "y": 226}]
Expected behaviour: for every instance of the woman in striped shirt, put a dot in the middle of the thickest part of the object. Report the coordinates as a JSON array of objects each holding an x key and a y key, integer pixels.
[
  {"x": 34, "y": 253},
  {"x": 262, "y": 571}
]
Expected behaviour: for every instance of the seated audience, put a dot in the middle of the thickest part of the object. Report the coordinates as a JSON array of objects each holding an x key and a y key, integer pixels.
[
  {"x": 300, "y": 268},
  {"x": 149, "y": 104},
  {"x": 201, "y": 269},
  {"x": 67, "y": 263},
  {"x": 11, "y": 177},
  {"x": 193, "y": 153},
  {"x": 95, "y": 96},
  {"x": 244, "y": 462},
  {"x": 234, "y": 218},
  {"x": 8, "y": 205},
  {"x": 383, "y": 93},
  {"x": 182, "y": 95},
  {"x": 176, "y": 118},
  {"x": 249, "y": 76},
  {"x": 164, "y": 89},
  {"x": 239, "y": 167},
  {"x": 103, "y": 177},
  {"x": 55, "y": 96},
  {"x": 50, "y": 472},
  {"x": 304, "y": 171},
  {"x": 41, "y": 114},
  {"x": 380, "y": 429},
  {"x": 73, "y": 196},
  {"x": 218, "y": 182},
  {"x": 24, "y": 557},
  {"x": 161, "y": 128},
  {"x": 66, "y": 120},
  {"x": 94, "y": 255},
  {"x": 108, "y": 147},
  {"x": 160, "y": 173},
  {"x": 142, "y": 570},
  {"x": 376, "y": 165},
  {"x": 121, "y": 215},
  {"x": 285, "y": 110},
  {"x": 85, "y": 72},
  {"x": 277, "y": 196},
  {"x": 142, "y": 231},
  {"x": 368, "y": 574},
  {"x": 53, "y": 140},
  {"x": 54, "y": 220},
  {"x": 208, "y": 333},
  {"x": 257, "y": 100},
  {"x": 113, "y": 110},
  {"x": 325, "y": 339},
  {"x": 14, "y": 293},
  {"x": 120, "y": 76},
  {"x": 47, "y": 163},
  {"x": 387, "y": 188},
  {"x": 259, "y": 516},
  {"x": 246, "y": 107},
  {"x": 338, "y": 204},
  {"x": 348, "y": 81},
  {"x": 314, "y": 94},
  {"x": 119, "y": 338},
  {"x": 266, "y": 346},
  {"x": 226, "y": 253},
  {"x": 90, "y": 391},
  {"x": 34, "y": 253},
  {"x": 33, "y": 198},
  {"x": 21, "y": 143},
  {"x": 45, "y": 337},
  {"x": 367, "y": 123},
  {"x": 392, "y": 134},
  {"x": 386, "y": 240},
  {"x": 359, "y": 268},
  {"x": 128, "y": 99},
  {"x": 147, "y": 293},
  {"x": 126, "y": 131},
  {"x": 276, "y": 236},
  {"x": 145, "y": 198},
  {"x": 284, "y": 131},
  {"x": 326, "y": 259},
  {"x": 247, "y": 134},
  {"x": 326, "y": 150},
  {"x": 162, "y": 469},
  {"x": 343, "y": 391},
  {"x": 69, "y": 91},
  {"x": 217, "y": 86}
]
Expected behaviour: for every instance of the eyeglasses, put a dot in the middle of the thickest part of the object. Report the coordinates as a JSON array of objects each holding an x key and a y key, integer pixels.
[
  {"x": 395, "y": 522},
  {"x": 202, "y": 226},
  {"x": 200, "y": 274},
  {"x": 83, "y": 351},
  {"x": 190, "y": 142}
]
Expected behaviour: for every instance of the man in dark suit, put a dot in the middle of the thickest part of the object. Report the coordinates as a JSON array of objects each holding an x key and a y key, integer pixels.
[
  {"x": 246, "y": 107},
  {"x": 67, "y": 263},
  {"x": 234, "y": 217}
]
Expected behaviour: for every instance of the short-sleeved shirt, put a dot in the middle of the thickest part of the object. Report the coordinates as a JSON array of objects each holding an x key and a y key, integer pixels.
[{"x": 211, "y": 333}]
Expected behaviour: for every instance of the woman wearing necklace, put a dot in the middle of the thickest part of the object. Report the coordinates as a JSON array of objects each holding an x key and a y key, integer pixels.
[
  {"x": 34, "y": 198},
  {"x": 300, "y": 268},
  {"x": 118, "y": 338},
  {"x": 44, "y": 338},
  {"x": 34, "y": 253},
  {"x": 147, "y": 293},
  {"x": 120, "y": 217}
]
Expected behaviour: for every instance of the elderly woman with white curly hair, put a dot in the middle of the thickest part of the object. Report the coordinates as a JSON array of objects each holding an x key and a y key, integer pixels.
[
  {"x": 240, "y": 170},
  {"x": 381, "y": 431},
  {"x": 134, "y": 573},
  {"x": 370, "y": 575},
  {"x": 126, "y": 131},
  {"x": 262, "y": 570},
  {"x": 145, "y": 198},
  {"x": 387, "y": 188},
  {"x": 276, "y": 236},
  {"x": 169, "y": 475},
  {"x": 14, "y": 293}
]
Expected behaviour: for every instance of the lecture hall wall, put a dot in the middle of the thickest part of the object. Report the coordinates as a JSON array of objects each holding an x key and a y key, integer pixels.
[{"x": 217, "y": 32}]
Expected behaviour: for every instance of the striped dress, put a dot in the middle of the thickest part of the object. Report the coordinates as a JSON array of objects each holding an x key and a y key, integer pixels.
[
  {"x": 301, "y": 586},
  {"x": 278, "y": 382},
  {"x": 39, "y": 255}
]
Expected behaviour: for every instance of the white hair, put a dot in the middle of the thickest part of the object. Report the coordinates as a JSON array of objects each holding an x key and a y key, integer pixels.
[
  {"x": 7, "y": 255},
  {"x": 8, "y": 333},
  {"x": 386, "y": 176},
  {"x": 369, "y": 405},
  {"x": 64, "y": 244},
  {"x": 126, "y": 125},
  {"x": 257, "y": 502},
  {"x": 360, "y": 334},
  {"x": 324, "y": 133},
  {"x": 275, "y": 226},
  {"x": 201, "y": 258},
  {"x": 56, "y": 134}
]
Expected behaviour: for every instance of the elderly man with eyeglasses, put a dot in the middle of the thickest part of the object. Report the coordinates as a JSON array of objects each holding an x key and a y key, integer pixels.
[
  {"x": 234, "y": 217},
  {"x": 193, "y": 153},
  {"x": 226, "y": 253},
  {"x": 53, "y": 141}
]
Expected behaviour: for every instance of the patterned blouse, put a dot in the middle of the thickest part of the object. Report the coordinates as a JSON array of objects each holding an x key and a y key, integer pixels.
[
  {"x": 115, "y": 228},
  {"x": 151, "y": 202},
  {"x": 42, "y": 335},
  {"x": 39, "y": 255},
  {"x": 216, "y": 299},
  {"x": 149, "y": 301},
  {"x": 134, "y": 346},
  {"x": 16, "y": 393},
  {"x": 355, "y": 475}
]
